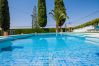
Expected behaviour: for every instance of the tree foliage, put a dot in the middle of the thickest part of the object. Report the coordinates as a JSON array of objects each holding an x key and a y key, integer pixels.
[
  {"x": 34, "y": 18},
  {"x": 0, "y": 15},
  {"x": 4, "y": 15},
  {"x": 60, "y": 12},
  {"x": 42, "y": 16}
]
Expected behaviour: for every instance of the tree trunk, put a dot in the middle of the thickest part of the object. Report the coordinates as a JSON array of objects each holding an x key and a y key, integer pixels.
[
  {"x": 5, "y": 33},
  {"x": 61, "y": 29},
  {"x": 57, "y": 29}
]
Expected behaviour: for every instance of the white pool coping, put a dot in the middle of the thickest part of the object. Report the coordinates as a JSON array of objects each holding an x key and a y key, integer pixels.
[
  {"x": 92, "y": 35},
  {"x": 81, "y": 34}
]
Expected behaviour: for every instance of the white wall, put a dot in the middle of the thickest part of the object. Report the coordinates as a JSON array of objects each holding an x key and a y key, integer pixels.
[{"x": 83, "y": 29}]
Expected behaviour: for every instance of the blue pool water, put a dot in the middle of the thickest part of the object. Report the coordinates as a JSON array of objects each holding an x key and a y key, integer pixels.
[{"x": 51, "y": 50}]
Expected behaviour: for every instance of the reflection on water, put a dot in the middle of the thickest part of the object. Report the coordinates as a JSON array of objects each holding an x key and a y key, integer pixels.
[
  {"x": 60, "y": 43},
  {"x": 39, "y": 44}
]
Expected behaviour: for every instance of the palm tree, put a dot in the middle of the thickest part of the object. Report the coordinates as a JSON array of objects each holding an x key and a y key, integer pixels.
[{"x": 59, "y": 14}]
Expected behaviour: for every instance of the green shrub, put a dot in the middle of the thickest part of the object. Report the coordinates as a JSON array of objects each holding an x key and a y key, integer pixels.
[{"x": 40, "y": 30}]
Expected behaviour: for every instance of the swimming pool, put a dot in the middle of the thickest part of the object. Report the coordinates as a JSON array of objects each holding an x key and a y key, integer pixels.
[{"x": 51, "y": 50}]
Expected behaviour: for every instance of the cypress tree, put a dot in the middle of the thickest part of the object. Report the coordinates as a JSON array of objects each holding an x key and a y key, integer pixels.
[
  {"x": 42, "y": 16},
  {"x": 0, "y": 14},
  {"x": 5, "y": 16},
  {"x": 35, "y": 24},
  {"x": 60, "y": 13}
]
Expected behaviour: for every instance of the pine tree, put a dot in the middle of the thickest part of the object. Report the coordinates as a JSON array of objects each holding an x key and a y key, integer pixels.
[
  {"x": 42, "y": 16},
  {"x": 5, "y": 16}
]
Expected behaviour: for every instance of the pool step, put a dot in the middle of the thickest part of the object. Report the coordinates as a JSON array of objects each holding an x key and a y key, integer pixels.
[{"x": 6, "y": 41}]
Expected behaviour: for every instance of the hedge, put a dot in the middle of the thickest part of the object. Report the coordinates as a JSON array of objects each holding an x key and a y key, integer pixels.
[{"x": 27, "y": 31}]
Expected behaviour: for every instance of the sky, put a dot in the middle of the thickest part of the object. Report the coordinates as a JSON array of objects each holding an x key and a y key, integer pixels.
[{"x": 78, "y": 11}]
